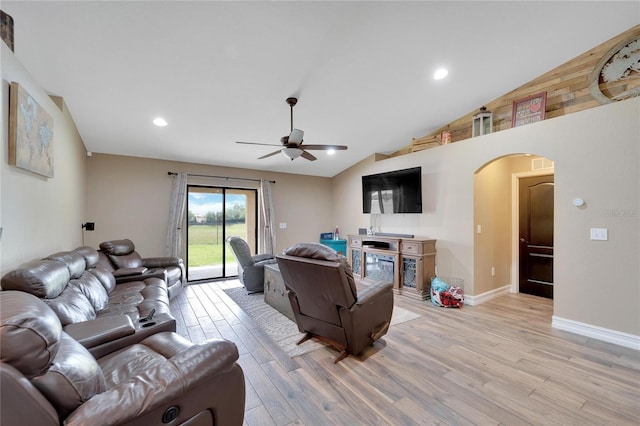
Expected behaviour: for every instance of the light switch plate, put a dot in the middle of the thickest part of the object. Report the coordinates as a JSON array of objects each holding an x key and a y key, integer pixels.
[
  {"x": 283, "y": 225},
  {"x": 599, "y": 234}
]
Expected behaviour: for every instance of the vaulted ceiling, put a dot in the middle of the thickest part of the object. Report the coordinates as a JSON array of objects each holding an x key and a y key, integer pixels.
[{"x": 220, "y": 72}]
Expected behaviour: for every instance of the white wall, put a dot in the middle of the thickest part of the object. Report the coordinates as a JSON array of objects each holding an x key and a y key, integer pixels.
[
  {"x": 40, "y": 216},
  {"x": 597, "y": 157}
]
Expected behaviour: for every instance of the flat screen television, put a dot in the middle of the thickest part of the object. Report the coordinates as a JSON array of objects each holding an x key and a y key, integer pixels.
[{"x": 399, "y": 191}]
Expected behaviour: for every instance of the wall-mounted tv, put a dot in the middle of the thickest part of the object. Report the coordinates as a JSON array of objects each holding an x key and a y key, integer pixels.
[{"x": 399, "y": 191}]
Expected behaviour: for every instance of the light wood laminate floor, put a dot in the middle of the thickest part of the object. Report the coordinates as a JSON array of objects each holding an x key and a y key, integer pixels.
[{"x": 499, "y": 363}]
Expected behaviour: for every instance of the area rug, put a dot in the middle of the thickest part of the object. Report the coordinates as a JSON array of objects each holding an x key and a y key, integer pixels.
[{"x": 281, "y": 329}]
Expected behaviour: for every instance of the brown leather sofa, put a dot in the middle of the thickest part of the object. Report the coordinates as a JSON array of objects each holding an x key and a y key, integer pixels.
[
  {"x": 326, "y": 303},
  {"x": 48, "y": 378},
  {"x": 121, "y": 259},
  {"x": 100, "y": 314}
]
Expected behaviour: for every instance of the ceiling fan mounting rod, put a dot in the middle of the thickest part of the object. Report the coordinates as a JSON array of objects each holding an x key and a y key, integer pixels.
[{"x": 292, "y": 102}]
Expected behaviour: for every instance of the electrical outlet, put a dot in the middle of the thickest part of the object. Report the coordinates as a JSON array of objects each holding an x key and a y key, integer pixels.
[
  {"x": 479, "y": 229},
  {"x": 283, "y": 226},
  {"x": 493, "y": 271},
  {"x": 599, "y": 234}
]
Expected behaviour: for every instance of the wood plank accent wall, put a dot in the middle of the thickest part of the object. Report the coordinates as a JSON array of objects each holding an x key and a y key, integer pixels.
[{"x": 567, "y": 88}]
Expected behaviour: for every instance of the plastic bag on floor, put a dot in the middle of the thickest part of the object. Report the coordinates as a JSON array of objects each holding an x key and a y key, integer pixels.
[{"x": 446, "y": 296}]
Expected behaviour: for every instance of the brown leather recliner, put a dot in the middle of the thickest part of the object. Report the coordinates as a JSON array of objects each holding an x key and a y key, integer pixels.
[
  {"x": 121, "y": 259},
  {"x": 47, "y": 378},
  {"x": 325, "y": 301}
]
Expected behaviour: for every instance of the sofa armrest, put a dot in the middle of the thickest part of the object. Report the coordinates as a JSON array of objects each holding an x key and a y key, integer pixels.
[
  {"x": 369, "y": 318},
  {"x": 149, "y": 273},
  {"x": 262, "y": 257},
  {"x": 203, "y": 377},
  {"x": 161, "y": 322},
  {"x": 101, "y": 330},
  {"x": 161, "y": 262},
  {"x": 128, "y": 272}
]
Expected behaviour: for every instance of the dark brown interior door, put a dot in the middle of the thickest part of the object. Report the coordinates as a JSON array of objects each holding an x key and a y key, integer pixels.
[{"x": 536, "y": 235}]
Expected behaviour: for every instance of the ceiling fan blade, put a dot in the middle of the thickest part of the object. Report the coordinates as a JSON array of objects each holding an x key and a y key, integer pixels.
[
  {"x": 326, "y": 147},
  {"x": 308, "y": 156},
  {"x": 257, "y": 143},
  {"x": 296, "y": 136},
  {"x": 270, "y": 154}
]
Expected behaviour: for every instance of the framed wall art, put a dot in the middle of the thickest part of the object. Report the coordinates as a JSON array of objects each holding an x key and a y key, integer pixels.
[
  {"x": 529, "y": 110},
  {"x": 30, "y": 133}
]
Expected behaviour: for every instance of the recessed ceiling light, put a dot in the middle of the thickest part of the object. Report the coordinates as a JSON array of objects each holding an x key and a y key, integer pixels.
[
  {"x": 440, "y": 74},
  {"x": 160, "y": 122},
  {"x": 331, "y": 151}
]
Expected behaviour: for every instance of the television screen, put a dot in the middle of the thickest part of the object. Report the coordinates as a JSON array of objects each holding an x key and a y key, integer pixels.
[{"x": 399, "y": 191}]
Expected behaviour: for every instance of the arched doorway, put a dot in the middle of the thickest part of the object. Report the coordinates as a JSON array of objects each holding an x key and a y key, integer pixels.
[{"x": 497, "y": 256}]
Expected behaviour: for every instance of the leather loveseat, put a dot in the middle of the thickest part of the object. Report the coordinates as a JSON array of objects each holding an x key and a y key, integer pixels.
[
  {"x": 100, "y": 314},
  {"x": 121, "y": 259},
  {"x": 48, "y": 378}
]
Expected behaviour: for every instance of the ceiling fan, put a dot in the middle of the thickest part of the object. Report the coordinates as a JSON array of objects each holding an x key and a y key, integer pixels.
[{"x": 291, "y": 146}]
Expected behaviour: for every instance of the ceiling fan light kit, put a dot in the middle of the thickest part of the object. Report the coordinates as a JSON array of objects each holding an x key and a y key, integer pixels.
[
  {"x": 292, "y": 144},
  {"x": 291, "y": 153}
]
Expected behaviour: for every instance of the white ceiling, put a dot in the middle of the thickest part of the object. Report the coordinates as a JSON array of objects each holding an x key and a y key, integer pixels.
[{"x": 219, "y": 72}]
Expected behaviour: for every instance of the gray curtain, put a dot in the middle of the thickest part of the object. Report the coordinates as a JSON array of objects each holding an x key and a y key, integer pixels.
[
  {"x": 269, "y": 232},
  {"x": 177, "y": 207}
]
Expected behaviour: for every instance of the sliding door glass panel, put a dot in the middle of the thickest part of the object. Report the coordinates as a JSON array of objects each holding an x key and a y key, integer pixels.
[
  {"x": 213, "y": 215},
  {"x": 240, "y": 221},
  {"x": 205, "y": 239}
]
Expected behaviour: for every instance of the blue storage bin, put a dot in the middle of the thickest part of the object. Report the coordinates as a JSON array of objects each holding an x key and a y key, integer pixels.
[{"x": 338, "y": 245}]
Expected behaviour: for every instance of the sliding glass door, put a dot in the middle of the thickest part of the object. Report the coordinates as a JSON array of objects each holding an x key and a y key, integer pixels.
[{"x": 215, "y": 213}]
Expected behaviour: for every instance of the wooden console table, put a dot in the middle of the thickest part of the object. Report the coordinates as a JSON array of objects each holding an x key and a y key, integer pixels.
[{"x": 409, "y": 262}]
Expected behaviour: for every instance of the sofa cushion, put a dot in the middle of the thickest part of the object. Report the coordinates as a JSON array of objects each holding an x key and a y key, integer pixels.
[
  {"x": 74, "y": 262},
  {"x": 43, "y": 278},
  {"x": 105, "y": 277},
  {"x": 105, "y": 262},
  {"x": 137, "y": 298},
  {"x": 73, "y": 377},
  {"x": 131, "y": 260},
  {"x": 29, "y": 334},
  {"x": 72, "y": 306},
  {"x": 120, "y": 367},
  {"x": 90, "y": 255},
  {"x": 118, "y": 247},
  {"x": 322, "y": 252},
  {"x": 93, "y": 290}
]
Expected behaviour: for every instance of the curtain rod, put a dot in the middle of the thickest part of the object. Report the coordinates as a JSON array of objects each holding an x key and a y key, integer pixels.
[{"x": 221, "y": 177}]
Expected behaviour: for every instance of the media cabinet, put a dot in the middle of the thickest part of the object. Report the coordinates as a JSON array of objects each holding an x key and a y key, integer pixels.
[{"x": 409, "y": 263}]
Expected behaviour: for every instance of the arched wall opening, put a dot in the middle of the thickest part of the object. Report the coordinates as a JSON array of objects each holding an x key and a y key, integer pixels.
[{"x": 496, "y": 236}]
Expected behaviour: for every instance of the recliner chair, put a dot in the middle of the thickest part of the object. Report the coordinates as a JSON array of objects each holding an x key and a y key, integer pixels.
[
  {"x": 48, "y": 378},
  {"x": 326, "y": 303},
  {"x": 250, "y": 268},
  {"x": 121, "y": 259}
]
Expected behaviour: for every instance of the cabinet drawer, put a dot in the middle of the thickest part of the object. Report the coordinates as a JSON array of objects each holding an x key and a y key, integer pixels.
[
  {"x": 355, "y": 242},
  {"x": 411, "y": 248}
]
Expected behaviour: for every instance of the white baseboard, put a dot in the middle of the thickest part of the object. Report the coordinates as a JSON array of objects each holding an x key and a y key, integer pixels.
[
  {"x": 485, "y": 297},
  {"x": 611, "y": 336}
]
